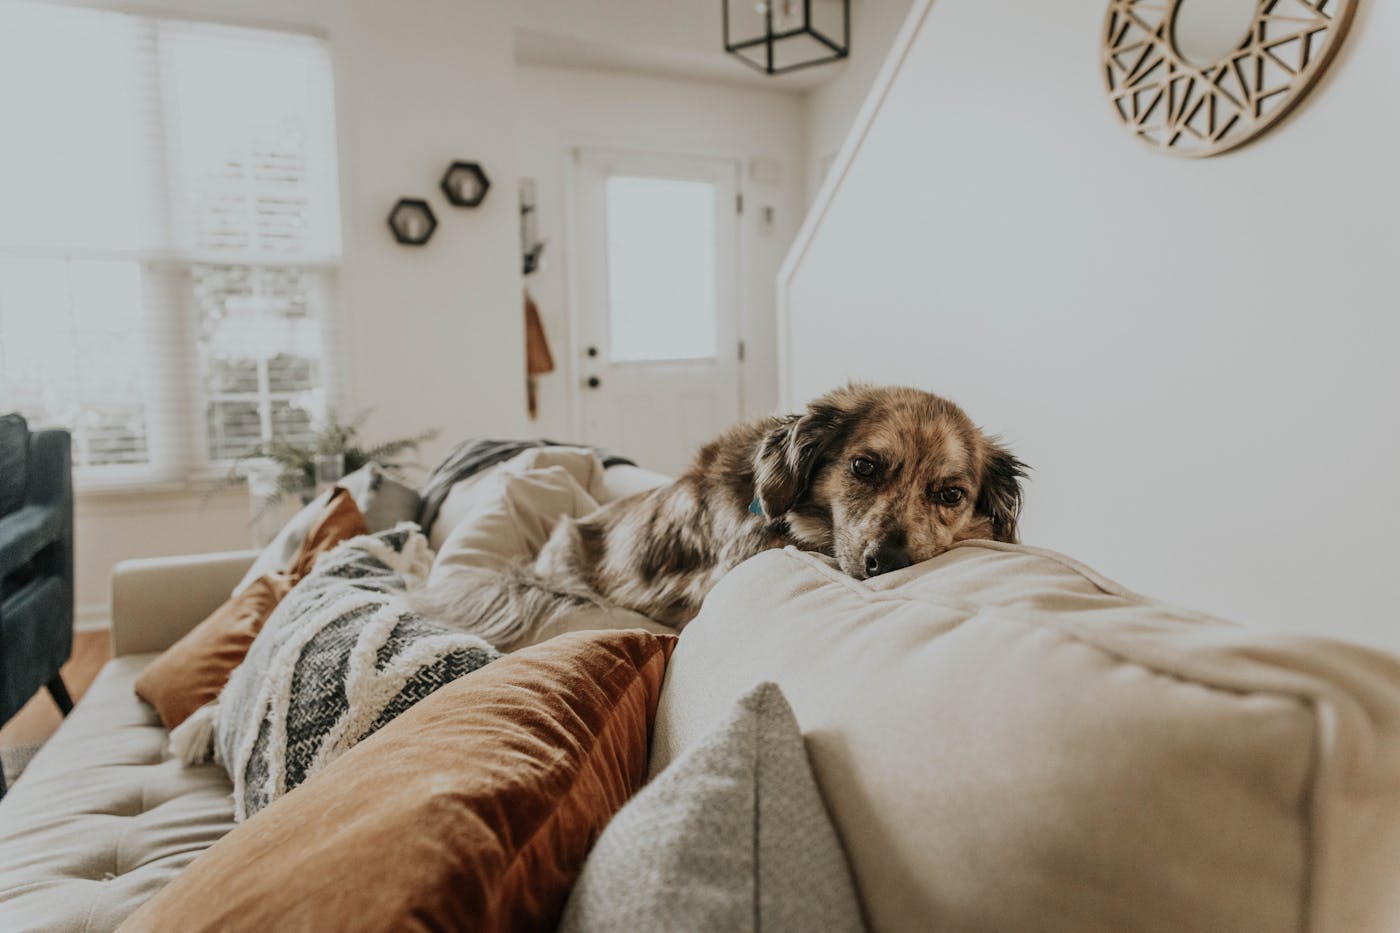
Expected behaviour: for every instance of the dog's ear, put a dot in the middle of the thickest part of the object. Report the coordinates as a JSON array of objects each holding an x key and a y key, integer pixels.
[
  {"x": 783, "y": 466},
  {"x": 1000, "y": 495}
]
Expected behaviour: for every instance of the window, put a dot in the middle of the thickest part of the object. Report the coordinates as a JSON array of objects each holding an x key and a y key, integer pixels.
[
  {"x": 169, "y": 236},
  {"x": 661, "y": 268}
]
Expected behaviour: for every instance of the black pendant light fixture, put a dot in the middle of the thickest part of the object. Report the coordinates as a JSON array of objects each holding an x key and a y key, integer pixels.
[{"x": 778, "y": 36}]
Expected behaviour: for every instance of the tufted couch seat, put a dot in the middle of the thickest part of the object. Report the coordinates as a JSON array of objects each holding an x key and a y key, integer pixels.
[{"x": 103, "y": 817}]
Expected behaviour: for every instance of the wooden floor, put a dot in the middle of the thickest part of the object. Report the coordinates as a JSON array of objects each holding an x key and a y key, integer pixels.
[{"x": 40, "y": 717}]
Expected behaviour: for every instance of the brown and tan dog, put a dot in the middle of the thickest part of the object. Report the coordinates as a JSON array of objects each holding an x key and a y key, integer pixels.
[{"x": 877, "y": 478}]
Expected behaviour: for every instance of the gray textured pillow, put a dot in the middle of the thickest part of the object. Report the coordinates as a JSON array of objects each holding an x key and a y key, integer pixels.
[
  {"x": 382, "y": 500},
  {"x": 339, "y": 658},
  {"x": 733, "y": 836}
]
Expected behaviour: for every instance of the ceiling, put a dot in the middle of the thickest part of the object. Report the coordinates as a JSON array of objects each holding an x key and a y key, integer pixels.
[{"x": 692, "y": 49}]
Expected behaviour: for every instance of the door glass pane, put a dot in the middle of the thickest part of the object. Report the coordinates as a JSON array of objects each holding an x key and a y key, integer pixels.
[{"x": 661, "y": 268}]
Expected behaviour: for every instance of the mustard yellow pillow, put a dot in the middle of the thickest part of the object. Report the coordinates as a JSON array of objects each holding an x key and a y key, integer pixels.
[{"x": 195, "y": 669}]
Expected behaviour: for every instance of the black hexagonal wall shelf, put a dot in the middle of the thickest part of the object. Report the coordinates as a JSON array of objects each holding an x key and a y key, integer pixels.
[
  {"x": 465, "y": 184},
  {"x": 412, "y": 221}
]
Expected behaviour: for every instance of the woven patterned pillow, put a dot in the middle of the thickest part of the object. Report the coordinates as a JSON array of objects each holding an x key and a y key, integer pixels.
[
  {"x": 734, "y": 836},
  {"x": 340, "y": 657}
]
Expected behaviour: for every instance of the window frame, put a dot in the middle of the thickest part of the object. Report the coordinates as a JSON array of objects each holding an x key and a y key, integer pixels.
[
  {"x": 176, "y": 397},
  {"x": 203, "y": 466}
]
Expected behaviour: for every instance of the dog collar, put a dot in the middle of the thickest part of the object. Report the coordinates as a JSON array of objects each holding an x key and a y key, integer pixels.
[{"x": 755, "y": 508}]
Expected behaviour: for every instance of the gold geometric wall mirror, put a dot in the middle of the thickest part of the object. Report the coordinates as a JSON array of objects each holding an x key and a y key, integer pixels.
[{"x": 1178, "y": 95}]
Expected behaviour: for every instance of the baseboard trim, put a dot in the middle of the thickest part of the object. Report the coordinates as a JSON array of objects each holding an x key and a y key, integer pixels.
[{"x": 93, "y": 617}]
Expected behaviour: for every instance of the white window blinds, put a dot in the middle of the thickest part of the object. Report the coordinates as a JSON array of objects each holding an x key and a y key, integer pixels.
[
  {"x": 254, "y": 142},
  {"x": 169, "y": 232}
]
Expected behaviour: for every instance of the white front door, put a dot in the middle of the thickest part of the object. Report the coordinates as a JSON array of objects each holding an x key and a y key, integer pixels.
[{"x": 657, "y": 326}]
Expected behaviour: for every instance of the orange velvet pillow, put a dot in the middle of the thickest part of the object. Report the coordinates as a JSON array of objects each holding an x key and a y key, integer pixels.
[
  {"x": 473, "y": 810},
  {"x": 193, "y": 671}
]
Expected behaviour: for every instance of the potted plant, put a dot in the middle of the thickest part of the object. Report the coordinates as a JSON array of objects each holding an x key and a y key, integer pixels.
[{"x": 275, "y": 469}]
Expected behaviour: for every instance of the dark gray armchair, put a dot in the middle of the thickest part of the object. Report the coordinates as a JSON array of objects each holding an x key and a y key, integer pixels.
[{"x": 36, "y": 564}]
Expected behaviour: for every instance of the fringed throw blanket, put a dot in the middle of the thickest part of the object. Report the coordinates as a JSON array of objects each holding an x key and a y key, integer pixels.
[{"x": 340, "y": 657}]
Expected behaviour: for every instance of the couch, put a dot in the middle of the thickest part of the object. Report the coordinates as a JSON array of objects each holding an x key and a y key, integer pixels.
[
  {"x": 36, "y": 564},
  {"x": 1004, "y": 739},
  {"x": 102, "y": 817}
]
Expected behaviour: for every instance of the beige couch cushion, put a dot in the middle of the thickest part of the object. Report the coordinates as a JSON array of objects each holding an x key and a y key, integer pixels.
[
  {"x": 603, "y": 485},
  {"x": 511, "y": 516},
  {"x": 467, "y": 494},
  {"x": 1007, "y": 742},
  {"x": 102, "y": 818}
]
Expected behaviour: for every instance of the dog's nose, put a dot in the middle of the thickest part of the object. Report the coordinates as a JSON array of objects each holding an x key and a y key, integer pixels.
[{"x": 884, "y": 558}]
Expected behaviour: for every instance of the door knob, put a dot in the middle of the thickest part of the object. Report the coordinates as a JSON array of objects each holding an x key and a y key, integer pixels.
[{"x": 594, "y": 382}]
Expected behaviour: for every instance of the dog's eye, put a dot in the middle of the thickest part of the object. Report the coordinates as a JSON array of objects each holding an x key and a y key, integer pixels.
[
  {"x": 950, "y": 496},
  {"x": 863, "y": 467}
]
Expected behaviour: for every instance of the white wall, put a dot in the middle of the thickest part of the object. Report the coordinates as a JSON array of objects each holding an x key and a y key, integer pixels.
[
  {"x": 833, "y": 105},
  {"x": 433, "y": 336},
  {"x": 1197, "y": 357},
  {"x": 560, "y": 109},
  {"x": 668, "y": 24}
]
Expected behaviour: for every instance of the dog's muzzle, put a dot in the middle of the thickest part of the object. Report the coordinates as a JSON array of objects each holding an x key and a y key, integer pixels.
[{"x": 882, "y": 558}]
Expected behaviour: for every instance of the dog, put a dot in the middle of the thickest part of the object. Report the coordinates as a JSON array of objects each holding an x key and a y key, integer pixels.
[{"x": 877, "y": 478}]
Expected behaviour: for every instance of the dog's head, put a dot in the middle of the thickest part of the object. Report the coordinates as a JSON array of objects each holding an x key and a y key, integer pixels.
[{"x": 881, "y": 478}]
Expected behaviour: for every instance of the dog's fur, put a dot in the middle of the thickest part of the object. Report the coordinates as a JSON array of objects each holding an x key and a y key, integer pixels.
[{"x": 660, "y": 552}]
